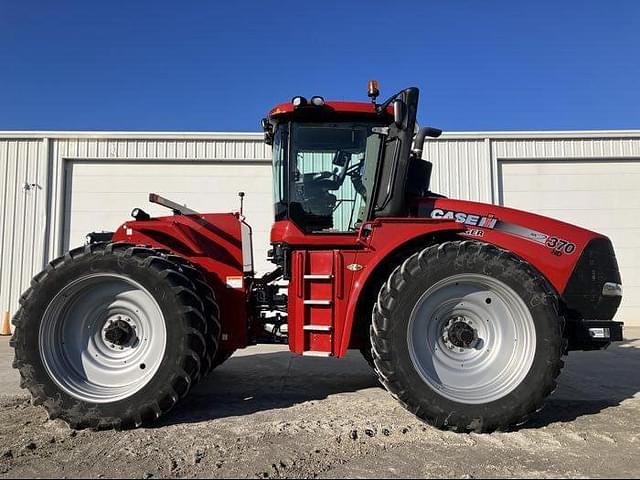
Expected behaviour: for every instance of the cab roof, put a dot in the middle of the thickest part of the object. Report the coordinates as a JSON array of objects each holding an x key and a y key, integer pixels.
[{"x": 359, "y": 109}]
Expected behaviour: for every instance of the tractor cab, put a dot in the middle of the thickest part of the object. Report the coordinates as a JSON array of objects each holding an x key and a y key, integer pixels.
[{"x": 338, "y": 164}]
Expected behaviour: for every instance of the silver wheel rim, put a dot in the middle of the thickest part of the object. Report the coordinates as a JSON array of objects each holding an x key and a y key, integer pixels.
[
  {"x": 471, "y": 338},
  {"x": 102, "y": 338}
]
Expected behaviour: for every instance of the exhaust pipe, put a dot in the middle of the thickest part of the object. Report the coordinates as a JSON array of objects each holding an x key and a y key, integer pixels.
[{"x": 423, "y": 133}]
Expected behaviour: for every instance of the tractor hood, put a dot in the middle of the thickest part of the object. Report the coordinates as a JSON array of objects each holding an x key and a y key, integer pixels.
[{"x": 578, "y": 263}]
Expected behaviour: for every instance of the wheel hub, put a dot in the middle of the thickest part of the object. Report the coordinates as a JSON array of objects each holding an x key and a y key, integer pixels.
[
  {"x": 459, "y": 333},
  {"x": 119, "y": 332},
  {"x": 462, "y": 335}
]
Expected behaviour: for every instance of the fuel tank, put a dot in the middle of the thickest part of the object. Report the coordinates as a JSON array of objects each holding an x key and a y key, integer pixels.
[{"x": 579, "y": 264}]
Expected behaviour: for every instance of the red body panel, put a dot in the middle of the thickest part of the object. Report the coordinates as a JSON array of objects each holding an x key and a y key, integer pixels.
[
  {"x": 551, "y": 246},
  {"x": 326, "y": 283},
  {"x": 336, "y": 106},
  {"x": 330, "y": 271},
  {"x": 212, "y": 241},
  {"x": 288, "y": 232},
  {"x": 386, "y": 236},
  {"x": 329, "y": 283}
]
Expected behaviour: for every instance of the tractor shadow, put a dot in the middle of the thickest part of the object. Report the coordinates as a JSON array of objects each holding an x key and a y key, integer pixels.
[
  {"x": 253, "y": 382},
  {"x": 592, "y": 382},
  {"x": 248, "y": 383}
]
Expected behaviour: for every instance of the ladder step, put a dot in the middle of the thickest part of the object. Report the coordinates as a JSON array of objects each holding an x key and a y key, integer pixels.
[
  {"x": 312, "y": 353},
  {"x": 318, "y": 277},
  {"x": 317, "y": 302},
  {"x": 318, "y": 328}
]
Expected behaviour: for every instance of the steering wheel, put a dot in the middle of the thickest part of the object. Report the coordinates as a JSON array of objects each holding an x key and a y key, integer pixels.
[
  {"x": 333, "y": 180},
  {"x": 342, "y": 170}
]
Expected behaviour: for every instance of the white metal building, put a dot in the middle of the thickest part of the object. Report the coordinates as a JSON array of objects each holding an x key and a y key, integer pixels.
[{"x": 55, "y": 187}]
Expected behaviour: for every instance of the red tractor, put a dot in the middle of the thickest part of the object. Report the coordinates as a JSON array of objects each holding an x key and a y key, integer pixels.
[{"x": 464, "y": 310}]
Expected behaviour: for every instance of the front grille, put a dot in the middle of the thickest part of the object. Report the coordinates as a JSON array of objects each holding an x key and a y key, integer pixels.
[{"x": 583, "y": 294}]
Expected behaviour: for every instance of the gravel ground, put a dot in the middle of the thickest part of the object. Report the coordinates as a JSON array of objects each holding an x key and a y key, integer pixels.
[{"x": 269, "y": 414}]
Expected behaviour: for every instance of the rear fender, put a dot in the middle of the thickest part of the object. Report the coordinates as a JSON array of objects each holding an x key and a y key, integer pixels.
[{"x": 214, "y": 243}]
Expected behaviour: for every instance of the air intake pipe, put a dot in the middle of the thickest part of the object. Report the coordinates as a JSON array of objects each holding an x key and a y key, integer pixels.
[{"x": 423, "y": 133}]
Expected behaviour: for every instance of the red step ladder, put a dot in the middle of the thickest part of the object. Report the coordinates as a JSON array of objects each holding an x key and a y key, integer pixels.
[{"x": 312, "y": 298}]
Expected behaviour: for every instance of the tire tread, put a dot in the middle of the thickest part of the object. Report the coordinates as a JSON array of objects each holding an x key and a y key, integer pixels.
[
  {"x": 382, "y": 323},
  {"x": 186, "y": 367}
]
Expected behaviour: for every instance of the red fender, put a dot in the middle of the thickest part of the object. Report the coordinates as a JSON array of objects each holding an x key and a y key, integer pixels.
[
  {"x": 214, "y": 242},
  {"x": 386, "y": 235},
  {"x": 553, "y": 247}
]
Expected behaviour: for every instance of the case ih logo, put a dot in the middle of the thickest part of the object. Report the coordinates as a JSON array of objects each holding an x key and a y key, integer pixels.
[{"x": 467, "y": 218}]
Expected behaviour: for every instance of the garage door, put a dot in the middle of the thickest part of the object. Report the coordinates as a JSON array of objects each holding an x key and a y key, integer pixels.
[
  {"x": 600, "y": 195},
  {"x": 101, "y": 195}
]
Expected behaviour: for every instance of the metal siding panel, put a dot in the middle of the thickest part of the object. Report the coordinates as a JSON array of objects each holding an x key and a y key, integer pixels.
[
  {"x": 181, "y": 149},
  {"x": 461, "y": 168},
  {"x": 102, "y": 148},
  {"x": 200, "y": 149},
  {"x": 16, "y": 227},
  {"x": 210, "y": 149},
  {"x": 5, "y": 250},
  {"x": 6, "y": 242},
  {"x": 567, "y": 148},
  {"x": 23, "y": 219}
]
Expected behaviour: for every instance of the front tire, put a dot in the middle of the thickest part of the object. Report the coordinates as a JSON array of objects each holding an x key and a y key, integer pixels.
[
  {"x": 110, "y": 336},
  {"x": 468, "y": 337}
]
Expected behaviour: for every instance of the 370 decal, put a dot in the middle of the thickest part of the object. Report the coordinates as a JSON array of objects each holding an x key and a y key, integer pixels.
[
  {"x": 477, "y": 225},
  {"x": 560, "y": 246}
]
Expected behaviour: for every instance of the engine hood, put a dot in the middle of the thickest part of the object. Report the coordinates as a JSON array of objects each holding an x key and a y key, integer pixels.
[{"x": 552, "y": 246}]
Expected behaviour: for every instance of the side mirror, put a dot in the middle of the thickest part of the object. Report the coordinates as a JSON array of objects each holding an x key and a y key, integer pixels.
[
  {"x": 399, "y": 112},
  {"x": 268, "y": 131}
]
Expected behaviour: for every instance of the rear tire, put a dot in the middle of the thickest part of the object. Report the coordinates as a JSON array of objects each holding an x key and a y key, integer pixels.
[
  {"x": 221, "y": 357},
  {"x": 367, "y": 354},
  {"x": 86, "y": 371},
  {"x": 211, "y": 312},
  {"x": 467, "y": 337}
]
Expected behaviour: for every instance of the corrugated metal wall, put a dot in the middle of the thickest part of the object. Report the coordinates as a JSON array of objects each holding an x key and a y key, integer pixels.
[
  {"x": 23, "y": 219},
  {"x": 190, "y": 148},
  {"x": 465, "y": 166},
  {"x": 567, "y": 148},
  {"x": 461, "y": 168}
]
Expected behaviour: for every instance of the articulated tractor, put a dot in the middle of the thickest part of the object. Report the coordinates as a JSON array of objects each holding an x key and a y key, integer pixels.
[{"x": 464, "y": 310}]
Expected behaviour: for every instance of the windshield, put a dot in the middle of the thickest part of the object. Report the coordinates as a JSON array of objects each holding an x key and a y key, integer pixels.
[{"x": 320, "y": 181}]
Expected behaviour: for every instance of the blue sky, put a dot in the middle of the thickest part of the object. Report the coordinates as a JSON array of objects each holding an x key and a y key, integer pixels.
[{"x": 219, "y": 66}]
